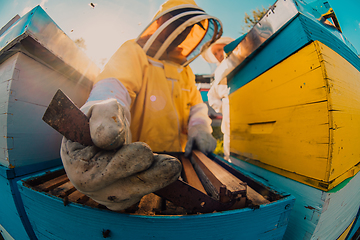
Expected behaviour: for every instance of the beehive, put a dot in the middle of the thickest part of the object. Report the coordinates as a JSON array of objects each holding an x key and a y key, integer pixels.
[
  {"x": 36, "y": 59},
  {"x": 301, "y": 118}
]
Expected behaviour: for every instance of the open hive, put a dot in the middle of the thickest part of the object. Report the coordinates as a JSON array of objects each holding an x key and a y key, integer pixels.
[
  {"x": 204, "y": 186},
  {"x": 75, "y": 216}
]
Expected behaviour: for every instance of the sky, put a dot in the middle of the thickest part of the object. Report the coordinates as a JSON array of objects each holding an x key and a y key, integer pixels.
[{"x": 109, "y": 23}]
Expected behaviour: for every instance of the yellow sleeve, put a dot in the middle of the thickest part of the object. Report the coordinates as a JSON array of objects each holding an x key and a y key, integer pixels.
[{"x": 127, "y": 65}]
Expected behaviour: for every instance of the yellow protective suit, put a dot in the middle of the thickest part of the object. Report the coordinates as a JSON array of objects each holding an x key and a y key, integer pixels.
[{"x": 162, "y": 96}]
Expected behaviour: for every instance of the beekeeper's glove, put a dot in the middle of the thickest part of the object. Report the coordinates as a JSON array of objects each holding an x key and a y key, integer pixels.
[
  {"x": 199, "y": 137},
  {"x": 115, "y": 172},
  {"x": 120, "y": 178},
  {"x": 109, "y": 128}
]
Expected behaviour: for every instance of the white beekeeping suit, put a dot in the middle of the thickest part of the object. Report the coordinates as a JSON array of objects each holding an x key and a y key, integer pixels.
[{"x": 218, "y": 93}]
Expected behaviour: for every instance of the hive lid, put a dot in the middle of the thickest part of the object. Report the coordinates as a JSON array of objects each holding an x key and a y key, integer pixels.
[
  {"x": 279, "y": 15},
  {"x": 36, "y": 34}
]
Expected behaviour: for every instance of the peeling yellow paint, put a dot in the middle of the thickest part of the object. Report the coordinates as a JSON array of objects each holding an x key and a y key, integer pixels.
[{"x": 308, "y": 113}]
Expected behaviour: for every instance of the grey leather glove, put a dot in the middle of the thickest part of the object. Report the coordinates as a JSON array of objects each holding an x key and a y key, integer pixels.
[
  {"x": 115, "y": 173},
  {"x": 200, "y": 138}
]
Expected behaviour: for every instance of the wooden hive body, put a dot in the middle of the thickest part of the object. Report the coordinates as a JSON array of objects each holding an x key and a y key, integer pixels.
[
  {"x": 294, "y": 116},
  {"x": 301, "y": 118},
  {"x": 78, "y": 217},
  {"x": 36, "y": 59}
]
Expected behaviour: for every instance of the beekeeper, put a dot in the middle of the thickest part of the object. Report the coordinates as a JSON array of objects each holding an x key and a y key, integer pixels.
[
  {"x": 218, "y": 93},
  {"x": 146, "y": 96}
]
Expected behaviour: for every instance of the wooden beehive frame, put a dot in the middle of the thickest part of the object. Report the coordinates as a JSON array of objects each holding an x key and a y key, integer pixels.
[{"x": 57, "y": 184}]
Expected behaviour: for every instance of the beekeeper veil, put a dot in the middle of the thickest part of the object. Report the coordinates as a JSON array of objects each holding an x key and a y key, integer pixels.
[{"x": 179, "y": 32}]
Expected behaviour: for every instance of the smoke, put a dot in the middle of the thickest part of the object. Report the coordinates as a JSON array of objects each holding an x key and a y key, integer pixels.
[
  {"x": 42, "y": 4},
  {"x": 25, "y": 10},
  {"x": 28, "y": 8}
]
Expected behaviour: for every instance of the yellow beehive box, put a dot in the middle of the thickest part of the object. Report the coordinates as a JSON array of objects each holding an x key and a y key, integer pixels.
[{"x": 301, "y": 118}]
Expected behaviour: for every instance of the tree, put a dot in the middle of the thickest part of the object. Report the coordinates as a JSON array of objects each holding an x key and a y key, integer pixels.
[{"x": 250, "y": 21}]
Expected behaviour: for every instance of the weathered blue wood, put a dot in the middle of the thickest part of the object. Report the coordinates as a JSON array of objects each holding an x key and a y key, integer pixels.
[
  {"x": 12, "y": 213},
  {"x": 316, "y": 214},
  {"x": 36, "y": 59},
  {"x": 25, "y": 170},
  {"x": 5, "y": 234},
  {"x": 297, "y": 33},
  {"x": 355, "y": 227},
  {"x": 52, "y": 220}
]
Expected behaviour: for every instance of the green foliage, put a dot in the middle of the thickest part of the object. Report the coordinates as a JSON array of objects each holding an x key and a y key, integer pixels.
[
  {"x": 218, "y": 135},
  {"x": 255, "y": 17},
  {"x": 219, "y": 150}
]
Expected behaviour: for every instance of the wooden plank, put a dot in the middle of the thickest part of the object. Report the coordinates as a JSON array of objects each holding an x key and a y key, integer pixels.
[
  {"x": 226, "y": 178},
  {"x": 64, "y": 189},
  {"x": 182, "y": 194},
  {"x": 191, "y": 177},
  {"x": 227, "y": 189},
  {"x": 205, "y": 181},
  {"x": 48, "y": 176},
  {"x": 91, "y": 203},
  {"x": 78, "y": 197},
  {"x": 53, "y": 183}
]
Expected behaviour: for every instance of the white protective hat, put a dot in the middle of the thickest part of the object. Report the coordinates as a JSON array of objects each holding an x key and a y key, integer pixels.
[{"x": 209, "y": 56}]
